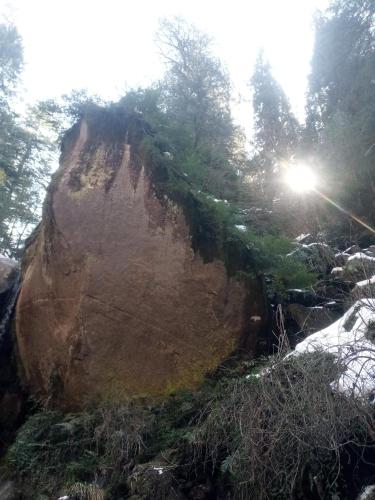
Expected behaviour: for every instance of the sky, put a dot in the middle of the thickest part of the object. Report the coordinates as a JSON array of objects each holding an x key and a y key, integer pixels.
[{"x": 108, "y": 46}]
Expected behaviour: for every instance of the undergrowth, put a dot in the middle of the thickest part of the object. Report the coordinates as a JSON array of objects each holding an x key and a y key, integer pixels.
[{"x": 278, "y": 432}]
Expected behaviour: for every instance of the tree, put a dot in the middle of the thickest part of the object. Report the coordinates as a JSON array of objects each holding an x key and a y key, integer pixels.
[
  {"x": 11, "y": 61},
  {"x": 341, "y": 102},
  {"x": 24, "y": 152},
  {"x": 276, "y": 130},
  {"x": 196, "y": 93}
]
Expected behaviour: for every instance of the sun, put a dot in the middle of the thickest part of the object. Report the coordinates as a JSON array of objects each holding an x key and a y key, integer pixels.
[{"x": 300, "y": 178}]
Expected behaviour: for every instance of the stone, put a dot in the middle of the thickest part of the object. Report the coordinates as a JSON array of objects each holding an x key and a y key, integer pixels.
[
  {"x": 341, "y": 259},
  {"x": 337, "y": 271},
  {"x": 9, "y": 283},
  {"x": 311, "y": 319},
  {"x": 352, "y": 250},
  {"x": 305, "y": 238},
  {"x": 364, "y": 289},
  {"x": 12, "y": 399},
  {"x": 359, "y": 266},
  {"x": 115, "y": 302},
  {"x": 154, "y": 480},
  {"x": 318, "y": 256}
]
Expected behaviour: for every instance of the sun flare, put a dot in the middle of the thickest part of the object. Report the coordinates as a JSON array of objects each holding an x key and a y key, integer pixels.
[{"x": 300, "y": 178}]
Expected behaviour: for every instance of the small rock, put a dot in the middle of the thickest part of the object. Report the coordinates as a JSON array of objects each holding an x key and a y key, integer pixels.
[{"x": 153, "y": 480}]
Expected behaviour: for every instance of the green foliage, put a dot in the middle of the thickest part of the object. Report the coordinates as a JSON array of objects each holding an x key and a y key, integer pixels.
[
  {"x": 276, "y": 130},
  {"x": 195, "y": 94},
  {"x": 53, "y": 450},
  {"x": 263, "y": 432},
  {"x": 268, "y": 254},
  {"x": 213, "y": 221},
  {"x": 24, "y": 152},
  {"x": 11, "y": 60}
]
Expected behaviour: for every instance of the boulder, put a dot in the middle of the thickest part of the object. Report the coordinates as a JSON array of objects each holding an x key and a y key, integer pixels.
[
  {"x": 311, "y": 319},
  {"x": 11, "y": 396},
  {"x": 305, "y": 239},
  {"x": 364, "y": 289},
  {"x": 341, "y": 259},
  {"x": 154, "y": 480},
  {"x": 352, "y": 250},
  {"x": 9, "y": 282},
  {"x": 318, "y": 256},
  {"x": 117, "y": 301},
  {"x": 359, "y": 266}
]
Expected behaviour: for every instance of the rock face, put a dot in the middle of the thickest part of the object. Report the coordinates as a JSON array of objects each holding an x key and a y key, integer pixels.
[
  {"x": 11, "y": 397},
  {"x": 114, "y": 301},
  {"x": 9, "y": 282}
]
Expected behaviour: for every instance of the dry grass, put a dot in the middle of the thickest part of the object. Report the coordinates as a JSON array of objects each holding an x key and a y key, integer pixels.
[{"x": 284, "y": 432}]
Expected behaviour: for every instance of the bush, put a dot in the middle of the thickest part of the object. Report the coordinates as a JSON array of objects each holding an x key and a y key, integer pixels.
[
  {"x": 53, "y": 450},
  {"x": 279, "y": 432},
  {"x": 283, "y": 434}
]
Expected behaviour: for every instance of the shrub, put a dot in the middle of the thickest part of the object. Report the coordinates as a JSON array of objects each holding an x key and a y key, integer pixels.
[
  {"x": 282, "y": 434},
  {"x": 53, "y": 450}
]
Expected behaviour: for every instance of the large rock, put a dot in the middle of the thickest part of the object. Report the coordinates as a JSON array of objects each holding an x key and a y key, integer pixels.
[
  {"x": 311, "y": 319},
  {"x": 359, "y": 266},
  {"x": 115, "y": 302},
  {"x": 11, "y": 396},
  {"x": 9, "y": 281}
]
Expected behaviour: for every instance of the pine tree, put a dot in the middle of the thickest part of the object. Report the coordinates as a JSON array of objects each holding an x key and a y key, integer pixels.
[
  {"x": 341, "y": 103},
  {"x": 196, "y": 94},
  {"x": 276, "y": 130},
  {"x": 23, "y": 159}
]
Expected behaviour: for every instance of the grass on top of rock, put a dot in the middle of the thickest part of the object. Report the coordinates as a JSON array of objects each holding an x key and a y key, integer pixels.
[
  {"x": 217, "y": 228},
  {"x": 204, "y": 182}
]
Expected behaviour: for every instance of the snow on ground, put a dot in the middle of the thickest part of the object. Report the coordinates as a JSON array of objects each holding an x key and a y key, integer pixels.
[
  {"x": 360, "y": 256},
  {"x": 368, "y": 493},
  {"x": 302, "y": 237},
  {"x": 349, "y": 340},
  {"x": 365, "y": 283},
  {"x": 337, "y": 270}
]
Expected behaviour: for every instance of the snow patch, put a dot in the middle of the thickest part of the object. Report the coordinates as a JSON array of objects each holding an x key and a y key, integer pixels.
[
  {"x": 360, "y": 256},
  {"x": 337, "y": 270},
  {"x": 347, "y": 339},
  {"x": 365, "y": 283},
  {"x": 367, "y": 493},
  {"x": 302, "y": 237},
  {"x": 216, "y": 200}
]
